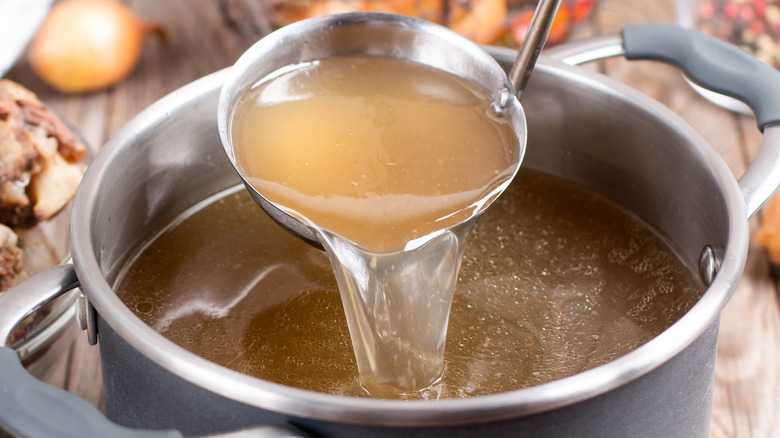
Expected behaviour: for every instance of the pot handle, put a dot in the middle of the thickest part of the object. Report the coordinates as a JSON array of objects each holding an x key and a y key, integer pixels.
[
  {"x": 31, "y": 408},
  {"x": 713, "y": 64}
]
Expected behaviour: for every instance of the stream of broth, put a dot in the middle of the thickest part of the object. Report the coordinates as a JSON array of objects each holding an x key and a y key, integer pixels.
[
  {"x": 384, "y": 157},
  {"x": 555, "y": 280}
]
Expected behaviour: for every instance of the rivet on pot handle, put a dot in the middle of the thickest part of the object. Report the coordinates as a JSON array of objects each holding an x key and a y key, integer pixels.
[{"x": 713, "y": 64}]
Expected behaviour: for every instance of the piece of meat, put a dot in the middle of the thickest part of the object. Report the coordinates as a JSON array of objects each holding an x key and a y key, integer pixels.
[
  {"x": 41, "y": 164},
  {"x": 18, "y": 155},
  {"x": 54, "y": 186},
  {"x": 32, "y": 112},
  {"x": 12, "y": 273},
  {"x": 18, "y": 160},
  {"x": 18, "y": 92},
  {"x": 11, "y": 259},
  {"x": 68, "y": 146},
  {"x": 41, "y": 161}
]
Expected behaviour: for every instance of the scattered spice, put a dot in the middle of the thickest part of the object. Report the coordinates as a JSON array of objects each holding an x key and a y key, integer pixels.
[{"x": 753, "y": 25}]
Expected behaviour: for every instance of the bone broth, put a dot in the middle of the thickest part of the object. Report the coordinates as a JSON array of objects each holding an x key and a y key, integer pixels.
[
  {"x": 555, "y": 280},
  {"x": 378, "y": 151},
  {"x": 391, "y": 162}
]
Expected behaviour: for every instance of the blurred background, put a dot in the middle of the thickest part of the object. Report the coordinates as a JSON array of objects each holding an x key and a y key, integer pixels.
[{"x": 182, "y": 40}]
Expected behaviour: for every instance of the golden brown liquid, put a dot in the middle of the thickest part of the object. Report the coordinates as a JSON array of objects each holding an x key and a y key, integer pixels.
[
  {"x": 378, "y": 151},
  {"x": 555, "y": 280},
  {"x": 383, "y": 157}
]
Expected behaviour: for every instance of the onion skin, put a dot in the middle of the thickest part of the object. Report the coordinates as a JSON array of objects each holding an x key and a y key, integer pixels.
[{"x": 88, "y": 45}]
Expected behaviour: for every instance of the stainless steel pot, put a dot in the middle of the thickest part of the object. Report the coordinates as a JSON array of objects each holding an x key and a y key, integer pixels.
[{"x": 583, "y": 127}]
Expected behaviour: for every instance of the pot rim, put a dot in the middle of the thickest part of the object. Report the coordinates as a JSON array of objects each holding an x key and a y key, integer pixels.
[{"x": 301, "y": 403}]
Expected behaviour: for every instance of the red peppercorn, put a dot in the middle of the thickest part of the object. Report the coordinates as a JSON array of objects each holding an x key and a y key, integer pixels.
[
  {"x": 706, "y": 10},
  {"x": 731, "y": 10}
]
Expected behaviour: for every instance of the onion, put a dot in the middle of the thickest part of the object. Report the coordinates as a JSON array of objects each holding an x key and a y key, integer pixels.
[{"x": 88, "y": 45}]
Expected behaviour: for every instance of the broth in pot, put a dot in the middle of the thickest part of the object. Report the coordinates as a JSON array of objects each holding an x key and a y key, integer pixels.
[{"x": 556, "y": 280}]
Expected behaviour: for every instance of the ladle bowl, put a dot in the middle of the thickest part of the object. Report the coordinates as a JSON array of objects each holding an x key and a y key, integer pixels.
[
  {"x": 366, "y": 35},
  {"x": 397, "y": 302}
]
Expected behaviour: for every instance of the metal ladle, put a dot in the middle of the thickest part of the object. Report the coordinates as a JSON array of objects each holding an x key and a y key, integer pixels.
[
  {"x": 385, "y": 35},
  {"x": 396, "y": 302}
]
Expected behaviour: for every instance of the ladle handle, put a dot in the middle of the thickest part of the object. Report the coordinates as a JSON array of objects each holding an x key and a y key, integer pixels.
[
  {"x": 532, "y": 45},
  {"x": 30, "y": 408},
  {"x": 715, "y": 65}
]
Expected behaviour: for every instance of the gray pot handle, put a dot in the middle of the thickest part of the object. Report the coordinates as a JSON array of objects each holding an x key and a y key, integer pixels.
[
  {"x": 712, "y": 63},
  {"x": 29, "y": 407},
  {"x": 715, "y": 65},
  {"x": 32, "y": 409}
]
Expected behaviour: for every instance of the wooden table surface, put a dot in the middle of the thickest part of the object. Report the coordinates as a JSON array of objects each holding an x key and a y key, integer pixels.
[{"x": 747, "y": 380}]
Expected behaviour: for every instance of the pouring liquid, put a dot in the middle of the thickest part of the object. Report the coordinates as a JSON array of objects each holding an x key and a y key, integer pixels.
[{"x": 391, "y": 162}]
